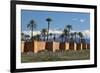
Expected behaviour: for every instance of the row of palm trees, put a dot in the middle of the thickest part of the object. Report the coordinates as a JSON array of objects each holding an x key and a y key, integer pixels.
[
  {"x": 67, "y": 35},
  {"x": 32, "y": 25},
  {"x": 71, "y": 37}
]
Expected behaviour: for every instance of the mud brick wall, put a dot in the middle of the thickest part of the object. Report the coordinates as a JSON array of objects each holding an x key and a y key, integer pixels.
[
  {"x": 28, "y": 46},
  {"x": 84, "y": 46},
  {"x": 75, "y": 46},
  {"x": 49, "y": 46},
  {"x": 72, "y": 46},
  {"x": 62, "y": 46},
  {"x": 39, "y": 46},
  {"x": 66, "y": 46},
  {"x": 88, "y": 46},
  {"x": 22, "y": 46},
  {"x": 52, "y": 46},
  {"x": 78, "y": 46},
  {"x": 55, "y": 46}
]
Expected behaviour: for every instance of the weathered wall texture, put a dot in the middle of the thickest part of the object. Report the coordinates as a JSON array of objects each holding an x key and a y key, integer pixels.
[
  {"x": 64, "y": 46},
  {"x": 71, "y": 46},
  {"x": 28, "y": 46},
  {"x": 79, "y": 46},
  {"x": 37, "y": 46},
  {"x": 88, "y": 46},
  {"x": 22, "y": 46},
  {"x": 55, "y": 46},
  {"x": 84, "y": 46},
  {"x": 52, "y": 46}
]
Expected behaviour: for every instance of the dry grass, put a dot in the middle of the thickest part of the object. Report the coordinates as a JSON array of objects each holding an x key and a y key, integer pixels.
[{"x": 55, "y": 56}]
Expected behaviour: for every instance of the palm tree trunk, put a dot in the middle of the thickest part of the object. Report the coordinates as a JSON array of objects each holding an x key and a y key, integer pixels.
[
  {"x": 32, "y": 33},
  {"x": 62, "y": 39},
  {"x": 48, "y": 31},
  {"x": 68, "y": 37},
  {"x": 44, "y": 37},
  {"x": 75, "y": 38}
]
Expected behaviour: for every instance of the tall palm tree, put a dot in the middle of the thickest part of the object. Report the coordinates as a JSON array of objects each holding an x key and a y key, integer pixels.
[
  {"x": 65, "y": 32},
  {"x": 32, "y": 25},
  {"x": 54, "y": 37},
  {"x": 50, "y": 35},
  {"x": 81, "y": 36},
  {"x": 62, "y": 37},
  {"x": 48, "y": 20},
  {"x": 72, "y": 37},
  {"x": 69, "y": 28},
  {"x": 44, "y": 32}
]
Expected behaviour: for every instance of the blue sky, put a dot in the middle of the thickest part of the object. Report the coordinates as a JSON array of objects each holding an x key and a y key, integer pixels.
[{"x": 79, "y": 21}]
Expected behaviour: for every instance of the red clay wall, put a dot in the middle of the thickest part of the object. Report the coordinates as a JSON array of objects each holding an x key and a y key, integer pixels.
[
  {"x": 37, "y": 46},
  {"x": 84, "y": 46},
  {"x": 22, "y": 46},
  {"x": 71, "y": 46},
  {"x": 66, "y": 46},
  {"x": 52, "y": 46},
  {"x": 34, "y": 46},
  {"x": 62, "y": 46},
  {"x": 79, "y": 46},
  {"x": 49, "y": 46},
  {"x": 28, "y": 46},
  {"x": 88, "y": 46},
  {"x": 55, "y": 46}
]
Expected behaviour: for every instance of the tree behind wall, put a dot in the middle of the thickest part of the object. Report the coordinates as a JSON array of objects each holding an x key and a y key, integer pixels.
[{"x": 32, "y": 25}]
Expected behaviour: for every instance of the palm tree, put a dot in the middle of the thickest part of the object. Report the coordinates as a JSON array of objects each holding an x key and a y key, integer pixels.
[
  {"x": 26, "y": 37},
  {"x": 32, "y": 25},
  {"x": 44, "y": 32},
  {"x": 65, "y": 32},
  {"x": 48, "y": 20},
  {"x": 69, "y": 28},
  {"x": 50, "y": 35},
  {"x": 54, "y": 37},
  {"x": 62, "y": 37},
  {"x": 37, "y": 37},
  {"x": 75, "y": 34},
  {"x": 22, "y": 36},
  {"x": 72, "y": 37},
  {"x": 81, "y": 36}
]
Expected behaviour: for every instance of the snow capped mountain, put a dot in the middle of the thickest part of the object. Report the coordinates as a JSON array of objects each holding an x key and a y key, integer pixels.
[{"x": 86, "y": 33}]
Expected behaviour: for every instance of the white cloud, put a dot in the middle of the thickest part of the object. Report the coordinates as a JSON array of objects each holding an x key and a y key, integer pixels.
[
  {"x": 86, "y": 33},
  {"x": 55, "y": 31},
  {"x": 81, "y": 20},
  {"x": 29, "y": 32}
]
